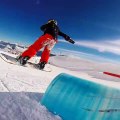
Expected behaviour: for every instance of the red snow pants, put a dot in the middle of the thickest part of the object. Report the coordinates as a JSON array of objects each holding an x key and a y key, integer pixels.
[{"x": 45, "y": 41}]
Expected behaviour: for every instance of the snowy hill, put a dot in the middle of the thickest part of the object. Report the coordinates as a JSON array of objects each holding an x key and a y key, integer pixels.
[
  {"x": 11, "y": 48},
  {"x": 93, "y": 68},
  {"x": 21, "y": 89}
]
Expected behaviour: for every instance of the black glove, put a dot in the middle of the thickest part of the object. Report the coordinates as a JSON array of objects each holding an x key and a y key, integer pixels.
[
  {"x": 67, "y": 37},
  {"x": 71, "y": 41}
]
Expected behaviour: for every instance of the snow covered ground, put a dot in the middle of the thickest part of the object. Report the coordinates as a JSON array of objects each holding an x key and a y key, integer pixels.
[{"x": 21, "y": 88}]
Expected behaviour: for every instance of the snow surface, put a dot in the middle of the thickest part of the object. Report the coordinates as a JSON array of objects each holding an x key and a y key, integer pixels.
[{"x": 21, "y": 88}]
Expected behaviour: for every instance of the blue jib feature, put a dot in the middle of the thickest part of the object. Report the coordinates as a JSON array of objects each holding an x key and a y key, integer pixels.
[{"x": 74, "y": 98}]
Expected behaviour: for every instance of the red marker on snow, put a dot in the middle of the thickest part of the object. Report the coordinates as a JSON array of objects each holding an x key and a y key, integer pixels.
[{"x": 112, "y": 74}]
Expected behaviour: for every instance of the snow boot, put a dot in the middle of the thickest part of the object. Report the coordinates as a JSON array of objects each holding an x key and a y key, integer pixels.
[
  {"x": 41, "y": 65},
  {"x": 22, "y": 60}
]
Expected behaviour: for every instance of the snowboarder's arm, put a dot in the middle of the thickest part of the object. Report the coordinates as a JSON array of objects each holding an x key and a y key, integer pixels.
[{"x": 66, "y": 37}]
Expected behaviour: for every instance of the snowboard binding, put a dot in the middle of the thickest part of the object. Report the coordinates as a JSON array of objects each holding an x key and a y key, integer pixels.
[
  {"x": 22, "y": 60},
  {"x": 41, "y": 65}
]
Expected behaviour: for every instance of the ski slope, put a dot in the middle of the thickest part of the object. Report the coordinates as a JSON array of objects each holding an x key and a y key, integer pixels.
[
  {"x": 20, "y": 92},
  {"x": 22, "y": 88}
]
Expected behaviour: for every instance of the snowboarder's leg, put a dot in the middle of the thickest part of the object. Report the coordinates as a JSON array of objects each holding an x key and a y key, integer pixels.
[
  {"x": 26, "y": 55},
  {"x": 34, "y": 48},
  {"x": 39, "y": 43},
  {"x": 46, "y": 54}
]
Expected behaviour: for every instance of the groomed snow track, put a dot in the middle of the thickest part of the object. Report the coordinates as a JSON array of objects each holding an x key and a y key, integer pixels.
[{"x": 74, "y": 98}]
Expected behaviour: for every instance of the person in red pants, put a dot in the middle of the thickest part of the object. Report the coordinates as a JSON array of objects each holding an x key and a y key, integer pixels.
[{"x": 47, "y": 40}]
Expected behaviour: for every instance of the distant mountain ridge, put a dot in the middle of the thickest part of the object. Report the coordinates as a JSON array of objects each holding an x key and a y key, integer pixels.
[
  {"x": 15, "y": 48},
  {"x": 12, "y": 47}
]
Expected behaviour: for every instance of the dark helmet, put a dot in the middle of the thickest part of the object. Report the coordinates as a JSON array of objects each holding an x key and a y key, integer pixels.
[{"x": 52, "y": 21}]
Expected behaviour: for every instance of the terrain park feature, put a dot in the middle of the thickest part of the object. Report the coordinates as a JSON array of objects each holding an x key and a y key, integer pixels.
[
  {"x": 75, "y": 98},
  {"x": 112, "y": 74}
]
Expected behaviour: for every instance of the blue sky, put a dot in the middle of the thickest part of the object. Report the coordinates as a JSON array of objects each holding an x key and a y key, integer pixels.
[{"x": 90, "y": 22}]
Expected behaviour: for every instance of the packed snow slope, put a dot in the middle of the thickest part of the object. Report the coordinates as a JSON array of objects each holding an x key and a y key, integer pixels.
[{"x": 21, "y": 89}]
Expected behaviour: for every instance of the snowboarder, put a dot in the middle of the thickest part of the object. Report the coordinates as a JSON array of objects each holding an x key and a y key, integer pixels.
[{"x": 47, "y": 40}]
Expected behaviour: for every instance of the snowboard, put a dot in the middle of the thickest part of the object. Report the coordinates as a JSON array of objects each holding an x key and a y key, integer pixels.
[{"x": 12, "y": 60}]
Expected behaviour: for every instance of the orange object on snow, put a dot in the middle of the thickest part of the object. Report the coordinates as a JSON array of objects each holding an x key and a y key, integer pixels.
[{"x": 112, "y": 74}]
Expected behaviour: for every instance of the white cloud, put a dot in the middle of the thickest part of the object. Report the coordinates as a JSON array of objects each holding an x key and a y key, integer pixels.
[
  {"x": 101, "y": 46},
  {"x": 83, "y": 55}
]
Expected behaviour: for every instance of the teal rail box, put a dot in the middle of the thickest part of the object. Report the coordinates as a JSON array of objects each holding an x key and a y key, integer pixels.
[{"x": 74, "y": 98}]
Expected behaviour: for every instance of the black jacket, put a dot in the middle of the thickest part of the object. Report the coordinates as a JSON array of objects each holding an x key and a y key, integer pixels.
[{"x": 53, "y": 30}]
